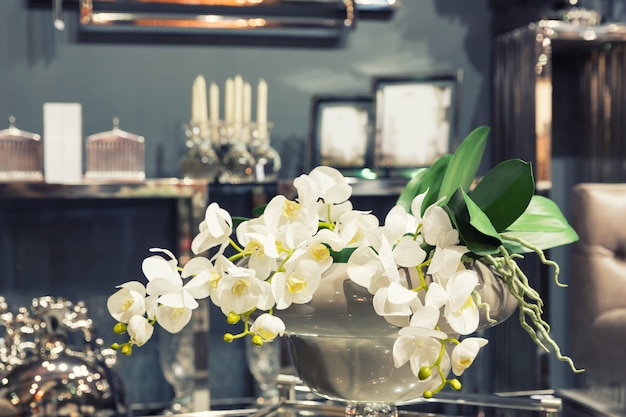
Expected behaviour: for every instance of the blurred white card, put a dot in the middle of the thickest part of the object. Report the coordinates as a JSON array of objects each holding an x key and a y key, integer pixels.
[{"x": 62, "y": 142}]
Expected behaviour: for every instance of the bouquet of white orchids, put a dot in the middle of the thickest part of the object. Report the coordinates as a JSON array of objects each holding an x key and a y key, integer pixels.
[{"x": 439, "y": 225}]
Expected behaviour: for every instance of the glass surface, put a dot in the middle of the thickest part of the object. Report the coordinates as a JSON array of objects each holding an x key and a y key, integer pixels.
[
  {"x": 176, "y": 358},
  {"x": 200, "y": 160},
  {"x": 264, "y": 364},
  {"x": 539, "y": 404}
]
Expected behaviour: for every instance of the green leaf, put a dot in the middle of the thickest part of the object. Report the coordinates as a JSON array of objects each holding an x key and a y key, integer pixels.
[
  {"x": 258, "y": 211},
  {"x": 342, "y": 256},
  {"x": 505, "y": 191},
  {"x": 542, "y": 225},
  {"x": 475, "y": 229},
  {"x": 411, "y": 189},
  {"x": 426, "y": 179},
  {"x": 433, "y": 180},
  {"x": 464, "y": 163}
]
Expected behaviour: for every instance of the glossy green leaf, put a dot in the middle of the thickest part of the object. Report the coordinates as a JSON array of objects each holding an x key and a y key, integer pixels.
[
  {"x": 542, "y": 225},
  {"x": 411, "y": 189},
  {"x": 434, "y": 178},
  {"x": 475, "y": 228},
  {"x": 429, "y": 180},
  {"x": 258, "y": 211},
  {"x": 464, "y": 163},
  {"x": 341, "y": 256},
  {"x": 504, "y": 192}
]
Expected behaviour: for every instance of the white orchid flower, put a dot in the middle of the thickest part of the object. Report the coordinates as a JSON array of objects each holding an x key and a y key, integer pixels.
[
  {"x": 151, "y": 303},
  {"x": 416, "y": 206},
  {"x": 445, "y": 262},
  {"x": 354, "y": 226},
  {"x": 127, "y": 302},
  {"x": 418, "y": 342},
  {"x": 240, "y": 291},
  {"x": 464, "y": 353},
  {"x": 407, "y": 252},
  {"x": 364, "y": 267},
  {"x": 268, "y": 327},
  {"x": 460, "y": 311},
  {"x": 173, "y": 319},
  {"x": 399, "y": 229},
  {"x": 317, "y": 250},
  {"x": 215, "y": 230},
  {"x": 396, "y": 303},
  {"x": 159, "y": 268},
  {"x": 296, "y": 284},
  {"x": 425, "y": 317},
  {"x": 280, "y": 212},
  {"x": 165, "y": 281},
  {"x": 326, "y": 190},
  {"x": 207, "y": 275},
  {"x": 437, "y": 227},
  {"x": 260, "y": 241},
  {"x": 419, "y": 346},
  {"x": 322, "y": 183},
  {"x": 139, "y": 330},
  {"x": 398, "y": 223}
]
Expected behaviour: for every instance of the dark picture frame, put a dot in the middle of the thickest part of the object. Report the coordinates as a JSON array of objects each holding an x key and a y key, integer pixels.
[
  {"x": 416, "y": 120},
  {"x": 341, "y": 132}
]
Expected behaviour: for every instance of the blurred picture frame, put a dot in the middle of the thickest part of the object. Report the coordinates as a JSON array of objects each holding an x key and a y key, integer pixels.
[
  {"x": 416, "y": 120},
  {"x": 341, "y": 132}
]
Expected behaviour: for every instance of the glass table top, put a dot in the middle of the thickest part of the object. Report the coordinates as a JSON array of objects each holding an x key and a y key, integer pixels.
[{"x": 444, "y": 405}]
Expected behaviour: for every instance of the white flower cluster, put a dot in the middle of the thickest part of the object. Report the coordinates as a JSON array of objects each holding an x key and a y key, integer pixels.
[{"x": 411, "y": 264}]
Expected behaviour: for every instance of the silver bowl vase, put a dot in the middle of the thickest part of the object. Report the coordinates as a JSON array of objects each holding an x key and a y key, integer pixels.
[{"x": 342, "y": 349}]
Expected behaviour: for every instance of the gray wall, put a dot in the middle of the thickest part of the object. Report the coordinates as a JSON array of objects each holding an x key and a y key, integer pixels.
[{"x": 148, "y": 85}]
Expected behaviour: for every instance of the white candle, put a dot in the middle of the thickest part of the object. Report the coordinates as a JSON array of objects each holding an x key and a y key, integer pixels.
[
  {"x": 198, "y": 100},
  {"x": 247, "y": 103},
  {"x": 238, "y": 100},
  {"x": 229, "y": 102},
  {"x": 214, "y": 109},
  {"x": 214, "y": 101},
  {"x": 261, "y": 108}
]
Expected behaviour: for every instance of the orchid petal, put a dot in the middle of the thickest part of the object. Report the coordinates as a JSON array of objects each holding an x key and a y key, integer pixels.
[{"x": 173, "y": 319}]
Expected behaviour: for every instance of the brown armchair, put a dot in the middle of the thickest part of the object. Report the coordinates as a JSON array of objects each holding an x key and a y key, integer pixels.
[{"x": 598, "y": 281}]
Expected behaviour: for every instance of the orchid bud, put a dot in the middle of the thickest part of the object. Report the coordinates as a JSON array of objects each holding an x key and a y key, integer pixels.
[
  {"x": 257, "y": 340},
  {"x": 455, "y": 384},
  {"x": 424, "y": 373},
  {"x": 119, "y": 328}
]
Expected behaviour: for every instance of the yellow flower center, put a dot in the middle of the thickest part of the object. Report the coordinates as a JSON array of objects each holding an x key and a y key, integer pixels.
[
  {"x": 357, "y": 237},
  {"x": 255, "y": 246},
  {"x": 291, "y": 208},
  {"x": 320, "y": 252},
  {"x": 465, "y": 362},
  {"x": 178, "y": 311},
  {"x": 469, "y": 303},
  {"x": 127, "y": 304},
  {"x": 240, "y": 287},
  {"x": 174, "y": 311},
  {"x": 296, "y": 284},
  {"x": 214, "y": 279}
]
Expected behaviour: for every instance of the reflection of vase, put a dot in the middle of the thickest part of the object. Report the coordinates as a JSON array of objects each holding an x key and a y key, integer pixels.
[{"x": 343, "y": 350}]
